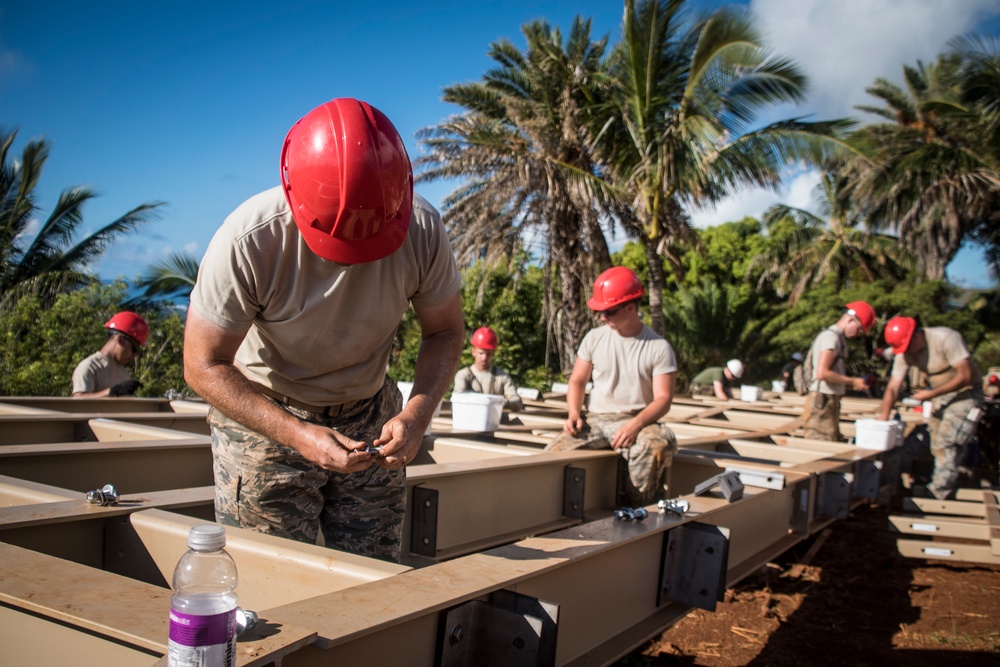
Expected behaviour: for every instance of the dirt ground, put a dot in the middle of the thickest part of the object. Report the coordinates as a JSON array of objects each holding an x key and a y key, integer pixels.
[{"x": 854, "y": 602}]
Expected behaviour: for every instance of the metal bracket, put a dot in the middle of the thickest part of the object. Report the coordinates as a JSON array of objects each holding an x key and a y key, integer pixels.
[
  {"x": 765, "y": 479},
  {"x": 511, "y": 629},
  {"x": 866, "y": 476},
  {"x": 423, "y": 521},
  {"x": 574, "y": 481},
  {"x": 799, "y": 521},
  {"x": 833, "y": 495},
  {"x": 729, "y": 482},
  {"x": 694, "y": 565}
]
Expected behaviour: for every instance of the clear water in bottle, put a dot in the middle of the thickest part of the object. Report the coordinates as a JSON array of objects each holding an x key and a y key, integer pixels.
[{"x": 203, "y": 607}]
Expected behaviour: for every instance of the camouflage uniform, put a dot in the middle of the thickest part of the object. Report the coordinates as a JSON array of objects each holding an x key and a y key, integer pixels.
[
  {"x": 648, "y": 459},
  {"x": 268, "y": 487},
  {"x": 947, "y": 444},
  {"x": 821, "y": 416}
]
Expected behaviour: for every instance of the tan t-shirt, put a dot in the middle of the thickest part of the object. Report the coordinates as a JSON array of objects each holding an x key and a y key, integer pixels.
[
  {"x": 97, "y": 372},
  {"x": 831, "y": 338},
  {"x": 945, "y": 348},
  {"x": 317, "y": 331},
  {"x": 493, "y": 381},
  {"x": 624, "y": 368}
]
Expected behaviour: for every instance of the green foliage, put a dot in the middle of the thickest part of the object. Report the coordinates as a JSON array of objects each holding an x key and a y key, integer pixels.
[
  {"x": 40, "y": 346},
  {"x": 509, "y": 302}
]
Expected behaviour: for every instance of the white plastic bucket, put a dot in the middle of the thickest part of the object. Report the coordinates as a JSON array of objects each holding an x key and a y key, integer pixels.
[
  {"x": 777, "y": 386},
  {"x": 877, "y": 434},
  {"x": 749, "y": 392},
  {"x": 475, "y": 412}
]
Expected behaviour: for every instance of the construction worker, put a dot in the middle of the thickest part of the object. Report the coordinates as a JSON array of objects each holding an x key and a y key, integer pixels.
[
  {"x": 482, "y": 376},
  {"x": 826, "y": 372},
  {"x": 103, "y": 373},
  {"x": 717, "y": 380},
  {"x": 791, "y": 374},
  {"x": 955, "y": 390},
  {"x": 291, "y": 323},
  {"x": 633, "y": 370}
]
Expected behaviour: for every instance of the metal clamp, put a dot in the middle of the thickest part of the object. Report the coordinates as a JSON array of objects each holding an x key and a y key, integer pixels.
[
  {"x": 106, "y": 495},
  {"x": 631, "y": 514},
  {"x": 673, "y": 506}
]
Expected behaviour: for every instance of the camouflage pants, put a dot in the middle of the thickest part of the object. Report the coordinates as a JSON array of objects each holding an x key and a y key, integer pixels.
[
  {"x": 265, "y": 486},
  {"x": 821, "y": 416},
  {"x": 648, "y": 459},
  {"x": 947, "y": 443}
]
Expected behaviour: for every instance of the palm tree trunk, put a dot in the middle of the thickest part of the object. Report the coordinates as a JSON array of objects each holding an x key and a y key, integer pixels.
[{"x": 656, "y": 284}]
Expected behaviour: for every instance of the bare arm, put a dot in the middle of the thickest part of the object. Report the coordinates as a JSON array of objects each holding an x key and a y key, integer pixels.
[
  {"x": 720, "y": 391},
  {"x": 442, "y": 331},
  {"x": 578, "y": 380},
  {"x": 663, "y": 396},
  {"x": 208, "y": 368},
  {"x": 890, "y": 396},
  {"x": 825, "y": 372},
  {"x": 102, "y": 393}
]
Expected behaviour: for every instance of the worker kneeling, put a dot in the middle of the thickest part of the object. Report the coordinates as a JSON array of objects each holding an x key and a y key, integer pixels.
[{"x": 633, "y": 370}]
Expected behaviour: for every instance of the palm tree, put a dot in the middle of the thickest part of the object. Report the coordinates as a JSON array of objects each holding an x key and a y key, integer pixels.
[
  {"x": 932, "y": 166},
  {"x": 520, "y": 134},
  {"x": 168, "y": 279},
  {"x": 51, "y": 261},
  {"x": 831, "y": 246},
  {"x": 678, "y": 128}
]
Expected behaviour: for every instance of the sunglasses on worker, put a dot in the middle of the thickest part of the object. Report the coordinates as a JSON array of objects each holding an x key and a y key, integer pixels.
[
  {"x": 136, "y": 349},
  {"x": 611, "y": 312}
]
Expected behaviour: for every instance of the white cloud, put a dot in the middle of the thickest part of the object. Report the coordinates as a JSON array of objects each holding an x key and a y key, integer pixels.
[
  {"x": 191, "y": 248},
  {"x": 796, "y": 192},
  {"x": 844, "y": 45}
]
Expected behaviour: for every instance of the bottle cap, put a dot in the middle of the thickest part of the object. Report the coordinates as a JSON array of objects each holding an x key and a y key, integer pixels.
[{"x": 207, "y": 537}]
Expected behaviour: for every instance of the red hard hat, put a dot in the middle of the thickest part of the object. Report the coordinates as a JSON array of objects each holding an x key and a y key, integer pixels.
[
  {"x": 864, "y": 313},
  {"x": 485, "y": 339},
  {"x": 616, "y": 285},
  {"x": 131, "y": 324},
  {"x": 348, "y": 181},
  {"x": 898, "y": 332}
]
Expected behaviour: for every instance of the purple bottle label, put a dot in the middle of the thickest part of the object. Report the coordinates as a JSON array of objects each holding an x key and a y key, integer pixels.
[{"x": 198, "y": 630}]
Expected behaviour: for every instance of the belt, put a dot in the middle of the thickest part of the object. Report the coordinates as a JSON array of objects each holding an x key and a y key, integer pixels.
[{"x": 324, "y": 410}]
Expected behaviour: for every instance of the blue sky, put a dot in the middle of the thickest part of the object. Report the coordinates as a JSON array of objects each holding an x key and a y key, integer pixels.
[{"x": 188, "y": 102}]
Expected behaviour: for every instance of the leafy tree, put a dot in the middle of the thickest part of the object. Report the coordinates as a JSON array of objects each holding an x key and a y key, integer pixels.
[
  {"x": 518, "y": 138},
  {"x": 52, "y": 260},
  {"x": 932, "y": 167},
  {"x": 41, "y": 344},
  {"x": 711, "y": 323},
  {"x": 679, "y": 125},
  {"x": 829, "y": 247},
  {"x": 169, "y": 279}
]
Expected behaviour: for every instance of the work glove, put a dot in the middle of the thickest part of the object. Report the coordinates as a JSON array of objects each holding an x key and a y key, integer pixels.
[{"x": 126, "y": 388}]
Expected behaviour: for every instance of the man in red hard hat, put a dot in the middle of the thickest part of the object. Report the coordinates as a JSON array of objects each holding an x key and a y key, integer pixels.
[
  {"x": 955, "y": 390},
  {"x": 825, "y": 371},
  {"x": 291, "y": 324},
  {"x": 482, "y": 376},
  {"x": 633, "y": 371},
  {"x": 103, "y": 373}
]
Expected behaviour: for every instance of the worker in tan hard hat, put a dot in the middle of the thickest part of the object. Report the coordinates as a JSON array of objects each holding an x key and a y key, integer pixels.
[
  {"x": 482, "y": 376},
  {"x": 291, "y": 325},
  {"x": 825, "y": 371},
  {"x": 717, "y": 380},
  {"x": 633, "y": 370},
  {"x": 955, "y": 391},
  {"x": 103, "y": 374}
]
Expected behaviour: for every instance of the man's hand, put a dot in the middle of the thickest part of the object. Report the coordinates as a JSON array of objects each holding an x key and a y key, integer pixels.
[
  {"x": 400, "y": 441},
  {"x": 626, "y": 435},
  {"x": 126, "y": 388},
  {"x": 574, "y": 424},
  {"x": 332, "y": 450},
  {"x": 859, "y": 384}
]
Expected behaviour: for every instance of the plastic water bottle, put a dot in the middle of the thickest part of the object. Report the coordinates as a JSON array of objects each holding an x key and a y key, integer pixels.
[{"x": 203, "y": 607}]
